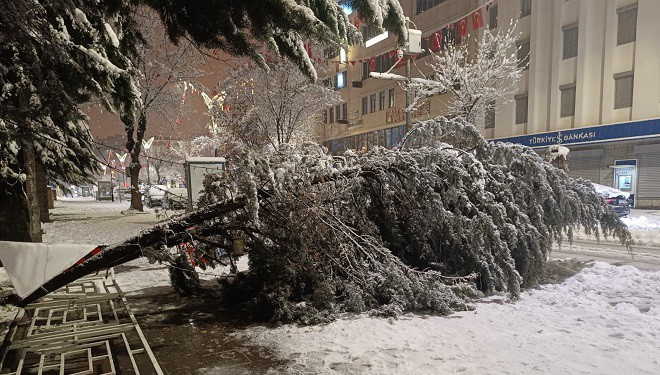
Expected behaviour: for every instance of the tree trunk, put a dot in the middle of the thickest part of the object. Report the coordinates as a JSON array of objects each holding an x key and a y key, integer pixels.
[
  {"x": 19, "y": 205},
  {"x": 135, "y": 147}
]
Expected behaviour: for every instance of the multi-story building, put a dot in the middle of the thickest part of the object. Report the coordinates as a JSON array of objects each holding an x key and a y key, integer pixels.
[{"x": 592, "y": 83}]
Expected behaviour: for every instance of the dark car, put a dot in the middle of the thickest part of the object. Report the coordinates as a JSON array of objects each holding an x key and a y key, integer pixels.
[{"x": 615, "y": 198}]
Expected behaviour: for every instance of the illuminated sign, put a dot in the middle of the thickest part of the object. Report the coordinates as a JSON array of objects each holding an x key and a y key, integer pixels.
[{"x": 592, "y": 134}]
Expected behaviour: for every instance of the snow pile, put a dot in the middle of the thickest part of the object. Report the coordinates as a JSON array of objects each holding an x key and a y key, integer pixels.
[
  {"x": 605, "y": 320},
  {"x": 609, "y": 192},
  {"x": 642, "y": 223},
  {"x": 556, "y": 151}
]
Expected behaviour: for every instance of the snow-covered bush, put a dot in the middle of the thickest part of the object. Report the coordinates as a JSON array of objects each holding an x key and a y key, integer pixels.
[{"x": 399, "y": 230}]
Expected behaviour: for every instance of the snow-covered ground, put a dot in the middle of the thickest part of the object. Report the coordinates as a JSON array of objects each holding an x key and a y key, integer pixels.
[
  {"x": 85, "y": 220},
  {"x": 604, "y": 320}
]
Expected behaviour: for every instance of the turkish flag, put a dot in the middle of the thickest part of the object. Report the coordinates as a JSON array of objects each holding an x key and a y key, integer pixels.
[
  {"x": 462, "y": 27},
  {"x": 436, "y": 41},
  {"x": 477, "y": 19},
  {"x": 372, "y": 64}
]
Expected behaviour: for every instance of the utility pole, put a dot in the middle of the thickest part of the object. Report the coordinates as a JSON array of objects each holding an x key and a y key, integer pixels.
[{"x": 408, "y": 110}]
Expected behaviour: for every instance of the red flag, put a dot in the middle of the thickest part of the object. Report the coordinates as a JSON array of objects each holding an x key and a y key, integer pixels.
[
  {"x": 436, "y": 41},
  {"x": 477, "y": 19},
  {"x": 372, "y": 64},
  {"x": 393, "y": 54},
  {"x": 462, "y": 27}
]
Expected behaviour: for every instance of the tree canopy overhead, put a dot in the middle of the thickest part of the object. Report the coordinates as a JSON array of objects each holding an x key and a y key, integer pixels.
[
  {"x": 58, "y": 54},
  {"x": 243, "y": 27}
]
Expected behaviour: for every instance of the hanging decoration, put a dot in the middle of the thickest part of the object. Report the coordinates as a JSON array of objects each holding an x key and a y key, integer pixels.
[
  {"x": 122, "y": 158},
  {"x": 433, "y": 41}
]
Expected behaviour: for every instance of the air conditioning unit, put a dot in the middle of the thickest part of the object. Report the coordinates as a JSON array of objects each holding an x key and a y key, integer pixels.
[{"x": 357, "y": 84}]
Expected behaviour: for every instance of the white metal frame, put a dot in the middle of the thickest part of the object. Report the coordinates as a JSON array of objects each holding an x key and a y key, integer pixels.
[{"x": 83, "y": 328}]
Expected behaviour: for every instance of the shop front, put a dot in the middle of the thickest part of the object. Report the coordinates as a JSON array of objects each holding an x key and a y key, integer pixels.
[{"x": 625, "y": 156}]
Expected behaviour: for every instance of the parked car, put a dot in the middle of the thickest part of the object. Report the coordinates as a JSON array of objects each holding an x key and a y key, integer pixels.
[
  {"x": 125, "y": 193},
  {"x": 154, "y": 195},
  {"x": 614, "y": 197},
  {"x": 175, "y": 198}
]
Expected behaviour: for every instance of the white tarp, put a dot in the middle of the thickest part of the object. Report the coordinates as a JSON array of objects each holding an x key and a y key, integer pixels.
[{"x": 30, "y": 265}]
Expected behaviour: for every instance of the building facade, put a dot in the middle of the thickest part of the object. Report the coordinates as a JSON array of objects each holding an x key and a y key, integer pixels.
[{"x": 592, "y": 84}]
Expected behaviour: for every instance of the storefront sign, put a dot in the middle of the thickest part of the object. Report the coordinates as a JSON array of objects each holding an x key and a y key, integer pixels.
[
  {"x": 355, "y": 124},
  {"x": 395, "y": 115},
  {"x": 593, "y": 134}
]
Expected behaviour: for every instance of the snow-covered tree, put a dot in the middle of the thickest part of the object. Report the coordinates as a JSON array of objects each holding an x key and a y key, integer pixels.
[
  {"x": 244, "y": 28},
  {"x": 55, "y": 55},
  {"x": 478, "y": 80},
  {"x": 163, "y": 67},
  {"x": 269, "y": 108},
  {"x": 385, "y": 231}
]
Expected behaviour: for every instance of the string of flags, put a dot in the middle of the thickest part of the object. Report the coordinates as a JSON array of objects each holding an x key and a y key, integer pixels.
[{"x": 434, "y": 41}]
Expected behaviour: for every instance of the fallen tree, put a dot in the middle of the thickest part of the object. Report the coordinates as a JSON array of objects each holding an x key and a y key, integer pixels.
[{"x": 386, "y": 231}]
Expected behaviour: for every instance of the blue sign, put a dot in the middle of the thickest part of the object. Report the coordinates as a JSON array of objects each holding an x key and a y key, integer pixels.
[{"x": 592, "y": 134}]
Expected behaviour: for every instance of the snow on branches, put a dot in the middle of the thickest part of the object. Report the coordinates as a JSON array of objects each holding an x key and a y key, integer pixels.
[
  {"x": 399, "y": 230},
  {"x": 243, "y": 28},
  {"x": 476, "y": 79},
  {"x": 268, "y": 108},
  {"x": 55, "y": 56}
]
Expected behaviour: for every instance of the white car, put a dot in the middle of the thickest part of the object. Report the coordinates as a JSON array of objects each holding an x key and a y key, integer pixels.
[{"x": 153, "y": 196}]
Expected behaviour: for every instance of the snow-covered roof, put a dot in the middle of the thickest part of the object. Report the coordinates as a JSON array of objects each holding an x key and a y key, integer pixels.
[{"x": 609, "y": 192}]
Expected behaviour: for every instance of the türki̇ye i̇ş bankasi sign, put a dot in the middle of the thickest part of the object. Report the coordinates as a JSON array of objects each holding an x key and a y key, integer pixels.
[{"x": 593, "y": 134}]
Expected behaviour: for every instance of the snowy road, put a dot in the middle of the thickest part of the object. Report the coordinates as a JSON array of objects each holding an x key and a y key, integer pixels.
[{"x": 643, "y": 257}]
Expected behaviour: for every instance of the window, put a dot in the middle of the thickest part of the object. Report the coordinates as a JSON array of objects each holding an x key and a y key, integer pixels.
[
  {"x": 489, "y": 121},
  {"x": 372, "y": 99},
  {"x": 525, "y": 8},
  {"x": 338, "y": 112},
  {"x": 523, "y": 55},
  {"x": 372, "y": 35},
  {"x": 332, "y": 116},
  {"x": 623, "y": 90},
  {"x": 381, "y": 101},
  {"x": 391, "y": 98},
  {"x": 521, "y": 109},
  {"x": 341, "y": 80},
  {"x": 364, "y": 106},
  {"x": 424, "y": 5},
  {"x": 567, "y": 100},
  {"x": 570, "y": 41},
  {"x": 365, "y": 70},
  {"x": 492, "y": 16},
  {"x": 372, "y": 140},
  {"x": 369, "y": 32},
  {"x": 344, "y": 111},
  {"x": 627, "y": 27}
]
